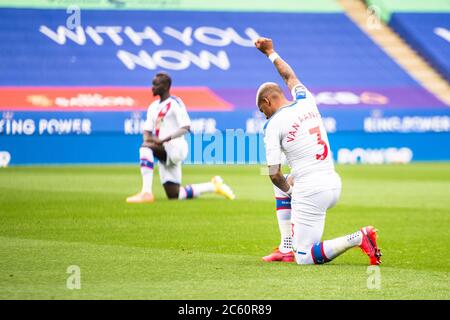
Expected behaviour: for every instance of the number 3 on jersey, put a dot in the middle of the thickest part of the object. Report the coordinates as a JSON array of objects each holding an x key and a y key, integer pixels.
[{"x": 316, "y": 130}]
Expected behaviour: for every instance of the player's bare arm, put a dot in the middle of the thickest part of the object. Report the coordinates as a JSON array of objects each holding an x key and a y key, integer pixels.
[
  {"x": 179, "y": 133},
  {"x": 265, "y": 45},
  {"x": 147, "y": 137},
  {"x": 278, "y": 178}
]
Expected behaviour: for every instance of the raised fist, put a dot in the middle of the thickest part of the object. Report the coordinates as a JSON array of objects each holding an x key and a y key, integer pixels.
[{"x": 264, "y": 45}]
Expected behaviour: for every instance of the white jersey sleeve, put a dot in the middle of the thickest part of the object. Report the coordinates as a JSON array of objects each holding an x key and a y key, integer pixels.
[
  {"x": 272, "y": 140},
  {"x": 148, "y": 124},
  {"x": 181, "y": 114}
]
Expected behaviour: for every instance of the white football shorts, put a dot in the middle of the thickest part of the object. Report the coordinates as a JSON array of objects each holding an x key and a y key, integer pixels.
[
  {"x": 177, "y": 151},
  {"x": 308, "y": 218}
]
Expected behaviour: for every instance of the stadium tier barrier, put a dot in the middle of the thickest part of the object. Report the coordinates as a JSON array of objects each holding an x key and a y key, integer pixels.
[{"x": 77, "y": 93}]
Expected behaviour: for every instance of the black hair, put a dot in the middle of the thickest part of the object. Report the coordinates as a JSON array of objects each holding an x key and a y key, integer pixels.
[{"x": 165, "y": 77}]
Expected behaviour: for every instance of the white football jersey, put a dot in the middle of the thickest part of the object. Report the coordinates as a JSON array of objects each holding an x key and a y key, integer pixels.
[
  {"x": 297, "y": 131},
  {"x": 166, "y": 117}
]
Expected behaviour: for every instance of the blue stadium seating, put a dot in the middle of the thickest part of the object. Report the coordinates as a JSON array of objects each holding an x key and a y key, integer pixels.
[
  {"x": 421, "y": 30},
  {"x": 325, "y": 49}
]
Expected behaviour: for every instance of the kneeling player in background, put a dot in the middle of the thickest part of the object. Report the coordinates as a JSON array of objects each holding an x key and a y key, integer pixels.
[{"x": 167, "y": 123}]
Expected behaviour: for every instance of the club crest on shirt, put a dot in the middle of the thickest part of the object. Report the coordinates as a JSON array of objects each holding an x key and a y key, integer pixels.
[{"x": 300, "y": 92}]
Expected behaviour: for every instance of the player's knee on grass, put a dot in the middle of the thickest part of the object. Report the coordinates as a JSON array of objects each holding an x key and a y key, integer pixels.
[
  {"x": 301, "y": 247},
  {"x": 315, "y": 254},
  {"x": 302, "y": 251},
  {"x": 172, "y": 190},
  {"x": 306, "y": 238},
  {"x": 303, "y": 258}
]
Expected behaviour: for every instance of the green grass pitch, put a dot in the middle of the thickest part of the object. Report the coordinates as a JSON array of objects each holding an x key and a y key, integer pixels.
[{"x": 210, "y": 248}]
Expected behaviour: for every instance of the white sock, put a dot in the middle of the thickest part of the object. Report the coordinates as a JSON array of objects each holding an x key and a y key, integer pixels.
[
  {"x": 194, "y": 190},
  {"x": 147, "y": 162},
  {"x": 284, "y": 224},
  {"x": 201, "y": 188},
  {"x": 335, "y": 247},
  {"x": 283, "y": 206}
]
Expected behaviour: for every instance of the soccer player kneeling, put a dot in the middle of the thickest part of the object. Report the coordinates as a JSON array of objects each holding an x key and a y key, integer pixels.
[
  {"x": 296, "y": 129},
  {"x": 164, "y": 129}
]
